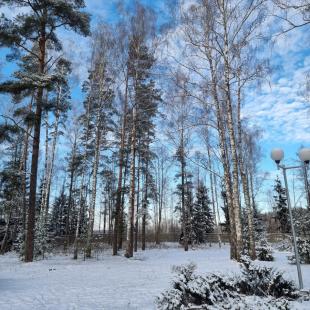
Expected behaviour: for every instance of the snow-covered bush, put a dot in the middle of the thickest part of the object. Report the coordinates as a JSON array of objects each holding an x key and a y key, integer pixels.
[
  {"x": 264, "y": 251},
  {"x": 284, "y": 246},
  {"x": 189, "y": 289},
  {"x": 216, "y": 291},
  {"x": 303, "y": 246},
  {"x": 264, "y": 281},
  {"x": 252, "y": 303}
]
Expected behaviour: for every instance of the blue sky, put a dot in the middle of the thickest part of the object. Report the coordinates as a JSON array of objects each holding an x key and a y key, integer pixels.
[{"x": 278, "y": 107}]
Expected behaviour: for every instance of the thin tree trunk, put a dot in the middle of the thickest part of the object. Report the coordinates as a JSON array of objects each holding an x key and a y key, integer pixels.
[
  {"x": 53, "y": 153},
  {"x": 24, "y": 161},
  {"x": 131, "y": 211},
  {"x": 118, "y": 213},
  {"x": 184, "y": 207},
  {"x": 105, "y": 216},
  {"x": 70, "y": 193},
  {"x": 121, "y": 224},
  {"x": 84, "y": 166},
  {"x": 217, "y": 205},
  {"x": 75, "y": 243},
  {"x": 232, "y": 138},
  {"x": 144, "y": 207},
  {"x": 137, "y": 206},
  {"x": 43, "y": 190},
  {"x": 94, "y": 189},
  {"x": 160, "y": 207},
  {"x": 244, "y": 180},
  {"x": 213, "y": 196},
  {"x": 225, "y": 163}
]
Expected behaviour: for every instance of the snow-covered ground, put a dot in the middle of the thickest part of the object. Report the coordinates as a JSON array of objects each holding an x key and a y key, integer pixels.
[{"x": 109, "y": 282}]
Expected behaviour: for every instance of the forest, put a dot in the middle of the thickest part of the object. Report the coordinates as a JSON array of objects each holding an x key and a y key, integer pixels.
[{"x": 139, "y": 129}]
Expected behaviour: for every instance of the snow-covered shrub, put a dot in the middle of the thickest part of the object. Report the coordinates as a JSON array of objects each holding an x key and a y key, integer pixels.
[
  {"x": 303, "y": 246},
  {"x": 189, "y": 289},
  {"x": 252, "y": 303},
  {"x": 284, "y": 246},
  {"x": 264, "y": 251},
  {"x": 216, "y": 291},
  {"x": 264, "y": 281}
]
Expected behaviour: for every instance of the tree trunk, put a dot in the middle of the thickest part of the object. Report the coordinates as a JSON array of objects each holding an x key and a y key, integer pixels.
[
  {"x": 53, "y": 152},
  {"x": 144, "y": 208},
  {"x": 94, "y": 189},
  {"x": 29, "y": 245},
  {"x": 131, "y": 211},
  {"x": 244, "y": 180},
  {"x": 105, "y": 217},
  {"x": 118, "y": 213},
  {"x": 84, "y": 166},
  {"x": 70, "y": 192},
  {"x": 137, "y": 207},
  {"x": 23, "y": 170},
  {"x": 161, "y": 198},
  {"x": 121, "y": 224},
  {"x": 184, "y": 207},
  {"x": 217, "y": 204},
  {"x": 213, "y": 196},
  {"x": 225, "y": 162}
]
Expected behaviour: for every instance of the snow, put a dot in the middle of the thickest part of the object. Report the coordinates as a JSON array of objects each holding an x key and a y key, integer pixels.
[{"x": 108, "y": 282}]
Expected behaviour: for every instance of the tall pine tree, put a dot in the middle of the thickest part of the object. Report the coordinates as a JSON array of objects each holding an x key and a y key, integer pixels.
[{"x": 38, "y": 26}]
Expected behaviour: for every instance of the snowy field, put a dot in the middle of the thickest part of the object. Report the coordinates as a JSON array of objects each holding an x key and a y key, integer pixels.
[{"x": 112, "y": 282}]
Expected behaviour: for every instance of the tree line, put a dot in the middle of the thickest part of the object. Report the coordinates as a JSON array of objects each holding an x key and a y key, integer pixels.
[{"x": 147, "y": 90}]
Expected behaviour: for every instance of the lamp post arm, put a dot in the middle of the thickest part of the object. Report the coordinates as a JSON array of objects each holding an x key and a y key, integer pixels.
[{"x": 289, "y": 168}]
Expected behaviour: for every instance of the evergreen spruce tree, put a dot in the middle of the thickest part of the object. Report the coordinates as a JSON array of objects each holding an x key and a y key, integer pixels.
[
  {"x": 281, "y": 209},
  {"x": 201, "y": 216},
  {"x": 10, "y": 188},
  {"x": 59, "y": 214},
  {"x": 185, "y": 203},
  {"x": 259, "y": 225}
]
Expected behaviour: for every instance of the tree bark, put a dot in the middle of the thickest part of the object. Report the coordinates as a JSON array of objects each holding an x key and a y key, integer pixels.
[
  {"x": 118, "y": 213},
  {"x": 161, "y": 198},
  {"x": 121, "y": 224},
  {"x": 23, "y": 170},
  {"x": 184, "y": 207},
  {"x": 244, "y": 180},
  {"x": 216, "y": 221},
  {"x": 29, "y": 245},
  {"x": 84, "y": 167},
  {"x": 137, "y": 206},
  {"x": 131, "y": 211},
  {"x": 70, "y": 191},
  {"x": 94, "y": 188},
  {"x": 144, "y": 207}
]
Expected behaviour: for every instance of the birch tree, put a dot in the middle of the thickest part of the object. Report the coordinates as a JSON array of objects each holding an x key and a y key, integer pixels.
[
  {"x": 101, "y": 94},
  {"x": 219, "y": 35}
]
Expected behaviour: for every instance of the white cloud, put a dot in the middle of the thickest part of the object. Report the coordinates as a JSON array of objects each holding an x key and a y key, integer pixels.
[{"x": 279, "y": 107}]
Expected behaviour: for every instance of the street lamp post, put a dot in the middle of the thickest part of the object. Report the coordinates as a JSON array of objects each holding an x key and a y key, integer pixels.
[{"x": 277, "y": 155}]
